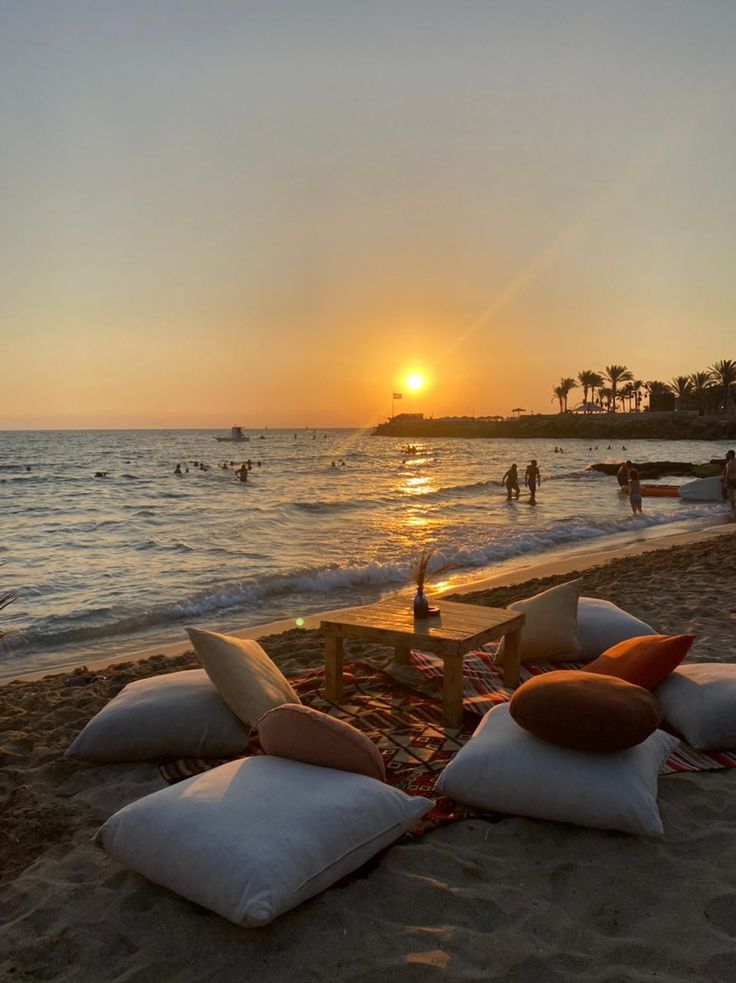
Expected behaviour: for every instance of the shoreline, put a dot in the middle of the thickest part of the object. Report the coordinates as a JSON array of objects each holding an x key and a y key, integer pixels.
[{"x": 514, "y": 571}]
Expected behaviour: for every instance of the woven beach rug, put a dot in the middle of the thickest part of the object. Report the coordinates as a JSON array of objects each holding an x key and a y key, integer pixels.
[
  {"x": 483, "y": 689},
  {"x": 405, "y": 724}
]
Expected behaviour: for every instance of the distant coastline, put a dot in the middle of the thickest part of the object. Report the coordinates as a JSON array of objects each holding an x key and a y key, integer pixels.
[{"x": 606, "y": 426}]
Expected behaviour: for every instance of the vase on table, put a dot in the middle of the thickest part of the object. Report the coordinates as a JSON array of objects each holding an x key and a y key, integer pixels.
[{"x": 421, "y": 604}]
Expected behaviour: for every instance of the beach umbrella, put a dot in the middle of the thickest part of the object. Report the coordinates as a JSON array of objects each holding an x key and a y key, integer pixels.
[{"x": 518, "y": 410}]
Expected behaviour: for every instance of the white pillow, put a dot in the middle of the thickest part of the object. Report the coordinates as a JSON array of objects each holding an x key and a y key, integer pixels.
[
  {"x": 550, "y": 632},
  {"x": 248, "y": 681},
  {"x": 177, "y": 715},
  {"x": 256, "y": 837},
  {"x": 602, "y": 624},
  {"x": 700, "y": 702},
  {"x": 503, "y": 768}
]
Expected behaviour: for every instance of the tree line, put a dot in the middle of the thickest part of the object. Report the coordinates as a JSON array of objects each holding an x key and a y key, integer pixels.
[{"x": 709, "y": 391}]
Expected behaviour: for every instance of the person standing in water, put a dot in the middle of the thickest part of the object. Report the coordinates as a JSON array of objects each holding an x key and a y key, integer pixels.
[
  {"x": 622, "y": 475},
  {"x": 532, "y": 478},
  {"x": 242, "y": 473},
  {"x": 634, "y": 491},
  {"x": 511, "y": 481},
  {"x": 729, "y": 481}
]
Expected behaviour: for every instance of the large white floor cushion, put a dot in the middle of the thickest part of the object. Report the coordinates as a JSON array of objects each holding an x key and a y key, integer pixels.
[
  {"x": 602, "y": 624},
  {"x": 503, "y": 768},
  {"x": 700, "y": 702},
  {"x": 256, "y": 837},
  {"x": 248, "y": 681},
  {"x": 550, "y": 632},
  {"x": 177, "y": 715}
]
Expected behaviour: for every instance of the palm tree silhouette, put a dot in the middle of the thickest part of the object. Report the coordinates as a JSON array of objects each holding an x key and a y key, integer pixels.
[
  {"x": 724, "y": 375},
  {"x": 701, "y": 382},
  {"x": 615, "y": 374},
  {"x": 567, "y": 385},
  {"x": 559, "y": 394},
  {"x": 589, "y": 379},
  {"x": 682, "y": 387}
]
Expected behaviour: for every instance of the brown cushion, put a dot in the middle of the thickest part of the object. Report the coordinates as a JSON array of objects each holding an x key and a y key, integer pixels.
[
  {"x": 645, "y": 660},
  {"x": 585, "y": 711}
]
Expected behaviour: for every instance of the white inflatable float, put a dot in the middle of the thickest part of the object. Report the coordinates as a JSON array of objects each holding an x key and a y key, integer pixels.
[{"x": 702, "y": 490}]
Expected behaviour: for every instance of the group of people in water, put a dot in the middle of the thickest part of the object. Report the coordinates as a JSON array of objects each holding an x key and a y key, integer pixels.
[
  {"x": 241, "y": 474},
  {"x": 532, "y": 478}
]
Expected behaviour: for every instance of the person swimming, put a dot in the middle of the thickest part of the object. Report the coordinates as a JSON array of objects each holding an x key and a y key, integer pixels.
[
  {"x": 177, "y": 469},
  {"x": 242, "y": 473}
]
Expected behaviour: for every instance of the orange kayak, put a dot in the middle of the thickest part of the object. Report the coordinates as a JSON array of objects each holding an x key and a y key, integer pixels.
[{"x": 656, "y": 491}]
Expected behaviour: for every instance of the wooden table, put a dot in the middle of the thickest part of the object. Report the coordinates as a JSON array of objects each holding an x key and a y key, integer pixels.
[{"x": 457, "y": 629}]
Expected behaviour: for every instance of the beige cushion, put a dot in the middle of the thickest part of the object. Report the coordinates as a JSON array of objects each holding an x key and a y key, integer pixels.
[
  {"x": 700, "y": 702},
  {"x": 176, "y": 715},
  {"x": 257, "y": 837},
  {"x": 550, "y": 633},
  {"x": 244, "y": 676}
]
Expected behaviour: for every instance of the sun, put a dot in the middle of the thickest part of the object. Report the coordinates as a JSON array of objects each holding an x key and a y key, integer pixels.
[{"x": 415, "y": 382}]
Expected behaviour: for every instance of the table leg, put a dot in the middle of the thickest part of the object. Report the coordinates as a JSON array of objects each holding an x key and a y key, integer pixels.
[
  {"x": 512, "y": 659},
  {"x": 333, "y": 667},
  {"x": 452, "y": 691},
  {"x": 401, "y": 655}
]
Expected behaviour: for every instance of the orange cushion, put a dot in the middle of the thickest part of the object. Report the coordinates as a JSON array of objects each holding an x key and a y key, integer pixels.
[
  {"x": 644, "y": 661},
  {"x": 585, "y": 711},
  {"x": 305, "y": 734}
]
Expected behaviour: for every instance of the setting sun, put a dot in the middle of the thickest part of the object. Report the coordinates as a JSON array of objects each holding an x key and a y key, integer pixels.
[{"x": 414, "y": 382}]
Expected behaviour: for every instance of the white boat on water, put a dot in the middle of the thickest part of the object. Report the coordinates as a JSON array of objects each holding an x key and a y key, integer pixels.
[
  {"x": 236, "y": 436},
  {"x": 702, "y": 490}
]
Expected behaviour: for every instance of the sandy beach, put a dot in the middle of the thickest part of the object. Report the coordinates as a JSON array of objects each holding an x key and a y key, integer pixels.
[{"x": 517, "y": 900}]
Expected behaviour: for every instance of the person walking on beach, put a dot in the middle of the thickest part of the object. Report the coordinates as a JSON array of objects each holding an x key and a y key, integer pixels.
[
  {"x": 532, "y": 478},
  {"x": 622, "y": 475},
  {"x": 511, "y": 481},
  {"x": 634, "y": 491},
  {"x": 729, "y": 481}
]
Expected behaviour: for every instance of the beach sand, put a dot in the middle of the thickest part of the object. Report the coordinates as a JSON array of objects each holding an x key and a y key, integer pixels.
[{"x": 517, "y": 900}]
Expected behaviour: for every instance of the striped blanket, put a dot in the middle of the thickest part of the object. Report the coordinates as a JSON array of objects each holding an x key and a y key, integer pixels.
[{"x": 407, "y": 725}]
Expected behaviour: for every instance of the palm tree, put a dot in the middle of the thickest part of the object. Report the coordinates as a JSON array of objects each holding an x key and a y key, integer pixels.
[
  {"x": 682, "y": 387},
  {"x": 568, "y": 385},
  {"x": 6, "y": 598},
  {"x": 588, "y": 379},
  {"x": 605, "y": 394},
  {"x": 627, "y": 393},
  {"x": 724, "y": 376},
  {"x": 637, "y": 385},
  {"x": 614, "y": 375},
  {"x": 700, "y": 384},
  {"x": 558, "y": 393}
]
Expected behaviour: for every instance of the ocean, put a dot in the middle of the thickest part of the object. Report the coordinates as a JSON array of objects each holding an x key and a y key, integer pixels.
[{"x": 105, "y": 566}]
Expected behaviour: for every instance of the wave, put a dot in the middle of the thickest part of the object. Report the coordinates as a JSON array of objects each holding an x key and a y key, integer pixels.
[{"x": 318, "y": 582}]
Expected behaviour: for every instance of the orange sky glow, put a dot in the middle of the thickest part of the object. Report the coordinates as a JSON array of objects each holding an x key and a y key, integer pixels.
[{"x": 271, "y": 216}]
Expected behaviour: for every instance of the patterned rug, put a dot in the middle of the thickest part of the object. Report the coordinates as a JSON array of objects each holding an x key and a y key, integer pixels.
[
  {"x": 407, "y": 725},
  {"x": 483, "y": 689}
]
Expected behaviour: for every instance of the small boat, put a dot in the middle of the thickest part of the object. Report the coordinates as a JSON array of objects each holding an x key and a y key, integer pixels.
[
  {"x": 656, "y": 491},
  {"x": 236, "y": 436},
  {"x": 702, "y": 490}
]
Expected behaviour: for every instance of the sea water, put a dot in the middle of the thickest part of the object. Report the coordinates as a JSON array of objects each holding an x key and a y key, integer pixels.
[{"x": 105, "y": 566}]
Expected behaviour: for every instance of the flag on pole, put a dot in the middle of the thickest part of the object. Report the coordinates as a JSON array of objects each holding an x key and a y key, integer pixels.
[{"x": 396, "y": 396}]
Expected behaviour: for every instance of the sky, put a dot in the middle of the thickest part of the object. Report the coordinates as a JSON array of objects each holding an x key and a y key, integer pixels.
[{"x": 269, "y": 213}]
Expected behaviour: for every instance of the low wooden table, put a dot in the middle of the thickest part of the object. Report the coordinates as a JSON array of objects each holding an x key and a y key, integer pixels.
[{"x": 459, "y": 628}]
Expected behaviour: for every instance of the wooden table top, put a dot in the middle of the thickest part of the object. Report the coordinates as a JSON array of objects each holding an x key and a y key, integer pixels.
[{"x": 458, "y": 627}]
